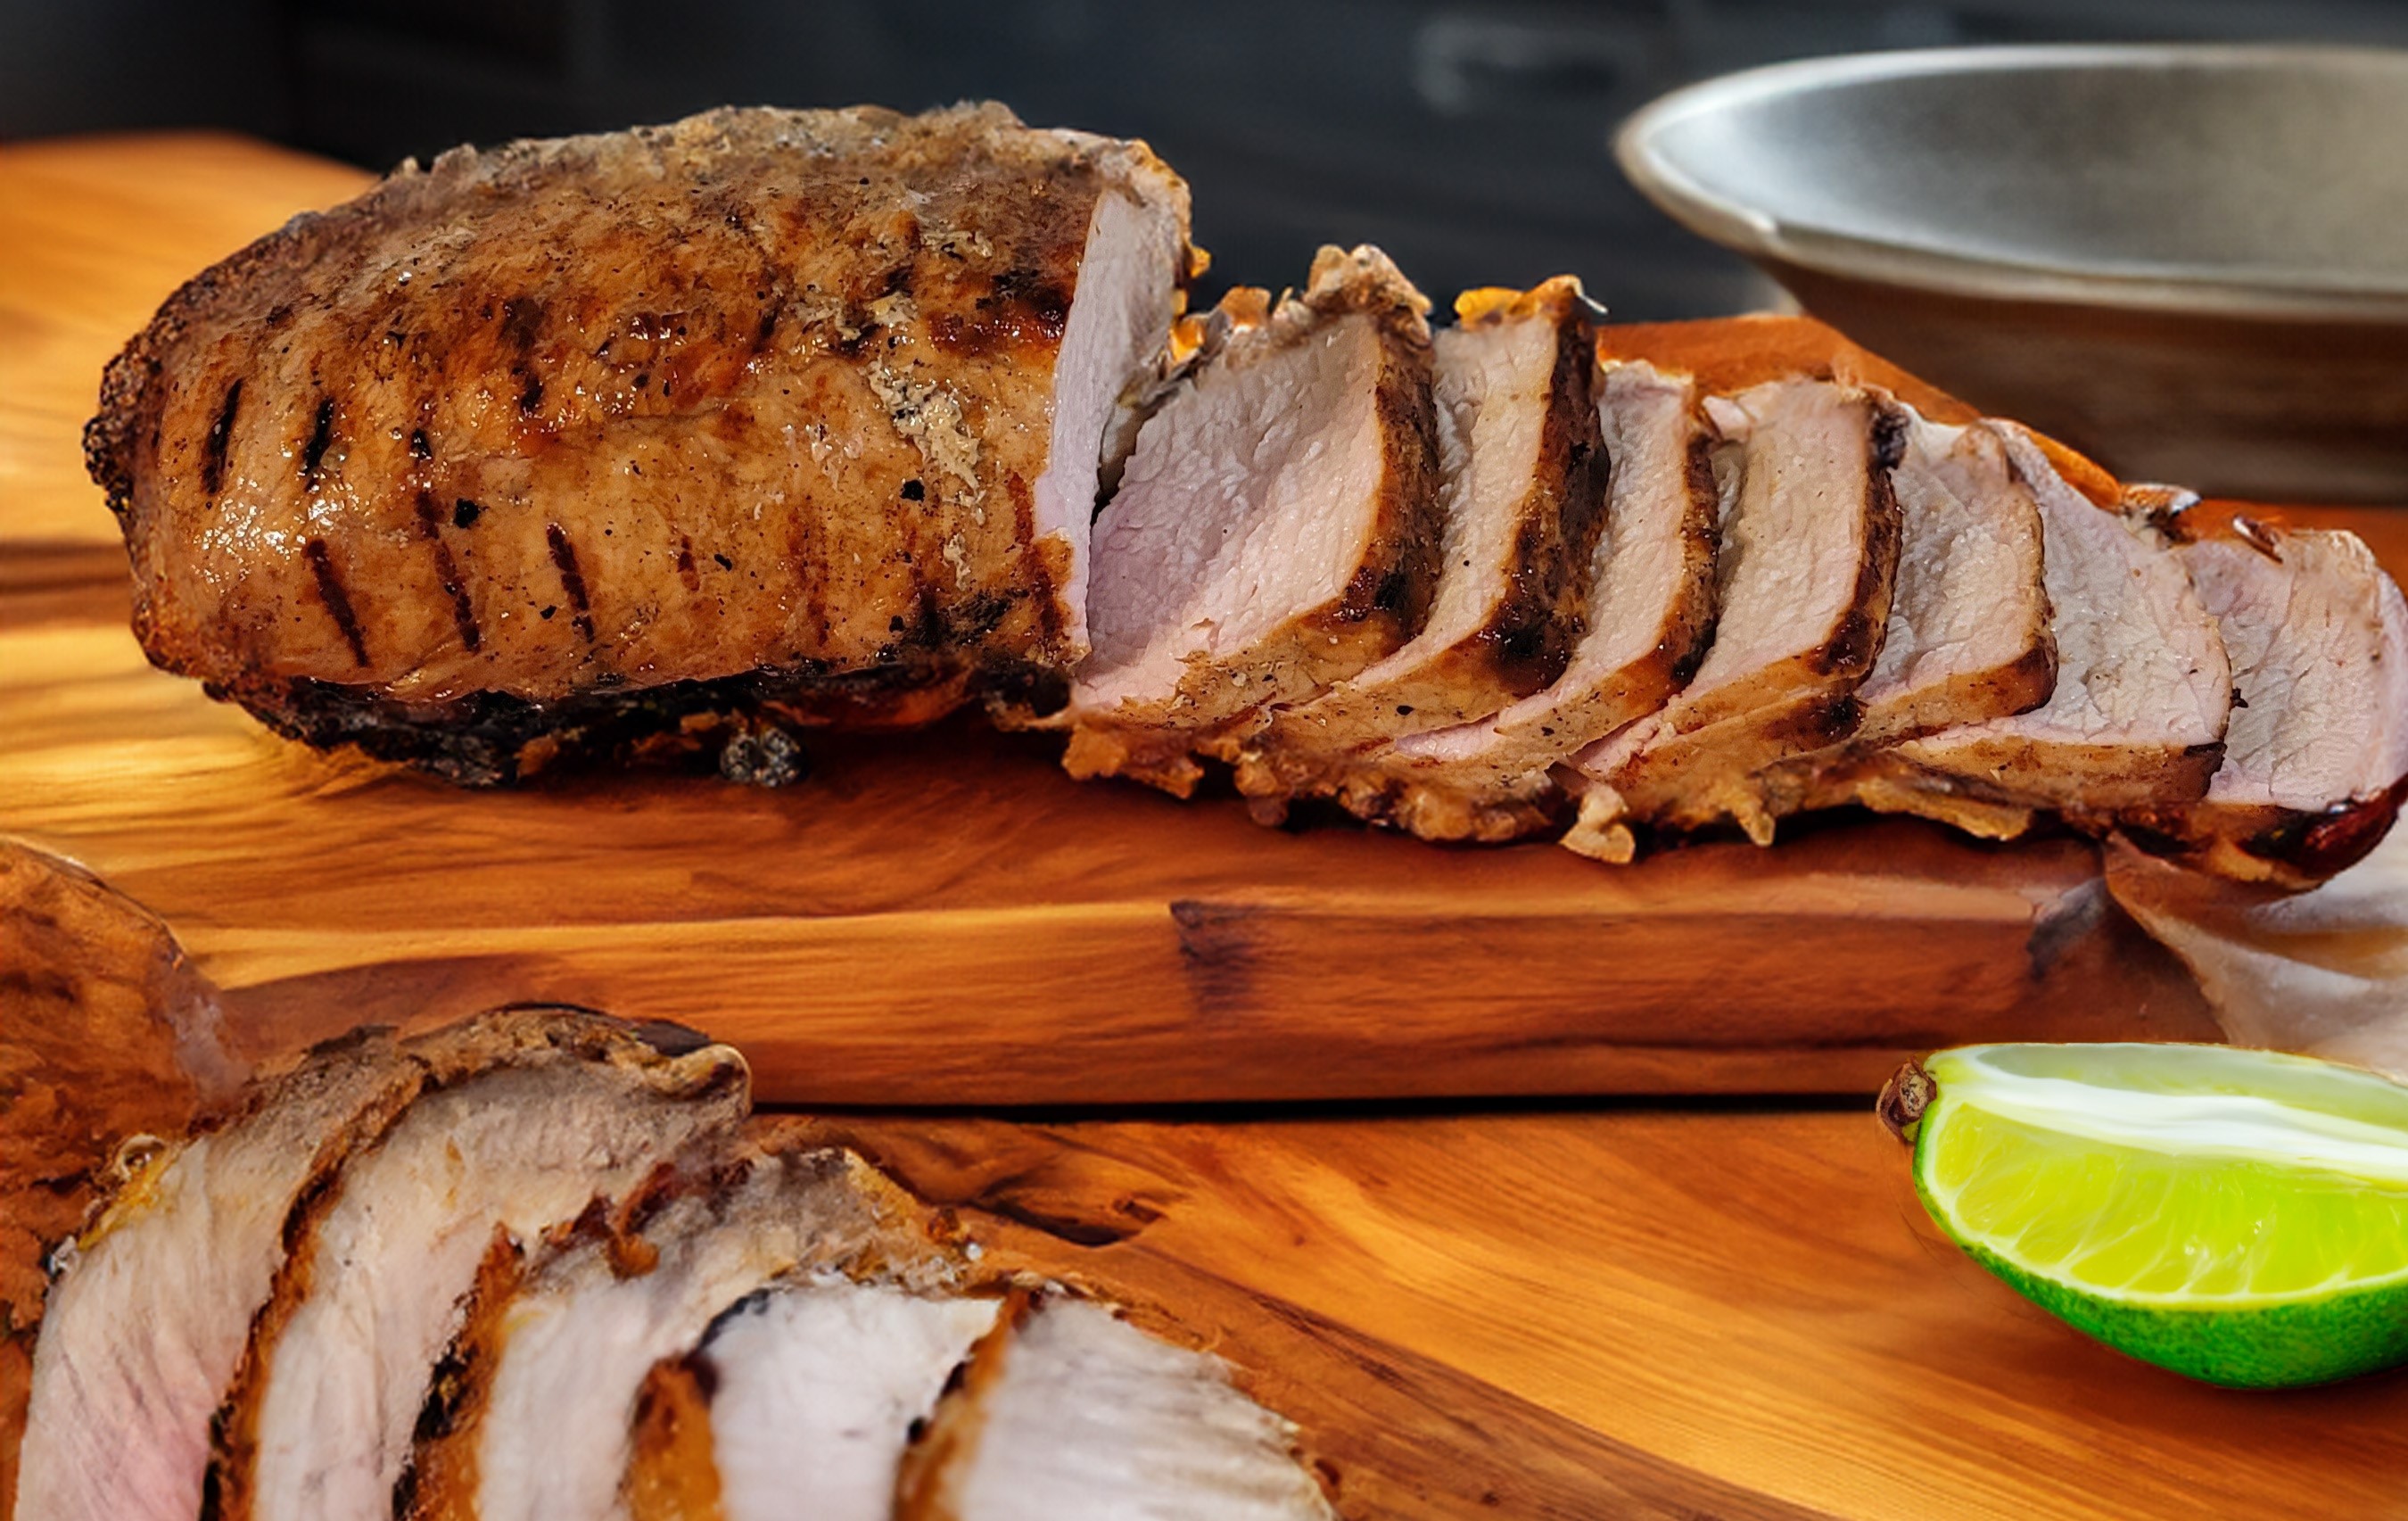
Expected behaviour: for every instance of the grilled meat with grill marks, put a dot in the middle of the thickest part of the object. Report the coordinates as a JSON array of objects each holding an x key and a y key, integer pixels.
[{"x": 565, "y": 442}]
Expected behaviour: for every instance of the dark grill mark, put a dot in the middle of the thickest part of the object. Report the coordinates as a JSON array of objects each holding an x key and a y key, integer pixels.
[
  {"x": 915, "y": 490},
  {"x": 447, "y": 570},
  {"x": 531, "y": 396},
  {"x": 572, "y": 580},
  {"x": 521, "y": 319},
  {"x": 419, "y": 448},
  {"x": 339, "y": 602},
  {"x": 321, "y": 433},
  {"x": 686, "y": 571},
  {"x": 213, "y": 453},
  {"x": 465, "y": 513}
]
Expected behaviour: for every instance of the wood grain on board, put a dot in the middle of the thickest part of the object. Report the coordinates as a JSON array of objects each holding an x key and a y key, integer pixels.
[{"x": 939, "y": 918}]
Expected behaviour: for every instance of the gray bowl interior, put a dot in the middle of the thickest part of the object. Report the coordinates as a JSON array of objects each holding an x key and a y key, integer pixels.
[{"x": 2283, "y": 170}]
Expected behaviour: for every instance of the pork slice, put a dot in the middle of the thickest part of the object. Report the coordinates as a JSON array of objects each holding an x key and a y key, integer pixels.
[
  {"x": 147, "y": 1323},
  {"x": 815, "y": 1389},
  {"x": 1275, "y": 531},
  {"x": 2318, "y": 746},
  {"x": 1647, "y": 616},
  {"x": 568, "y": 442},
  {"x": 2143, "y": 687},
  {"x": 528, "y": 1117},
  {"x": 1520, "y": 462},
  {"x": 1807, "y": 569},
  {"x": 532, "y": 1413},
  {"x": 1969, "y": 636},
  {"x": 1066, "y": 1411}
]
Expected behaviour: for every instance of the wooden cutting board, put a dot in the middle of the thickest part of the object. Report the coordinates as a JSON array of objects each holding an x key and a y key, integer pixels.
[
  {"x": 941, "y": 918},
  {"x": 1618, "y": 1312}
]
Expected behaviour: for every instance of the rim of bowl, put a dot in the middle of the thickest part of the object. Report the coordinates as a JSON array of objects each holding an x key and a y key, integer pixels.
[{"x": 1829, "y": 251}]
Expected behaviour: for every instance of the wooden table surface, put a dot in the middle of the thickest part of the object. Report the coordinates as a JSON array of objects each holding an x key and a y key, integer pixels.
[{"x": 1721, "y": 1309}]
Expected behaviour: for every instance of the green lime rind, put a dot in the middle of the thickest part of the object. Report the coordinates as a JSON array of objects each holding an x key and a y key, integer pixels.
[
  {"x": 2238, "y": 1339},
  {"x": 2283, "y": 1345}
]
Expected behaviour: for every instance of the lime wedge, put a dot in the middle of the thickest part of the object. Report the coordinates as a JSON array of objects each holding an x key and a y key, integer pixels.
[{"x": 2238, "y": 1216}]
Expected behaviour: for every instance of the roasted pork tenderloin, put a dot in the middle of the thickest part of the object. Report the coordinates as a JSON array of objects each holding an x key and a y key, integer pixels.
[
  {"x": 554, "y": 1109},
  {"x": 577, "y": 442},
  {"x": 530, "y": 1413},
  {"x": 1647, "y": 619},
  {"x": 2316, "y": 756},
  {"x": 1968, "y": 637},
  {"x": 1276, "y": 531},
  {"x": 2136, "y": 720},
  {"x": 1065, "y": 1412},
  {"x": 1521, "y": 464},
  {"x": 1805, "y": 577}
]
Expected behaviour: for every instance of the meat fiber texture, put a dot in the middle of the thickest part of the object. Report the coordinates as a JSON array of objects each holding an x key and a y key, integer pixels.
[
  {"x": 2143, "y": 687},
  {"x": 2315, "y": 757},
  {"x": 211, "y": 1246},
  {"x": 1645, "y": 620},
  {"x": 795, "y": 412},
  {"x": 534, "y": 1406},
  {"x": 1521, "y": 466},
  {"x": 1065, "y": 1413},
  {"x": 818, "y": 1388},
  {"x": 1969, "y": 636},
  {"x": 1806, "y": 574},
  {"x": 1277, "y": 529}
]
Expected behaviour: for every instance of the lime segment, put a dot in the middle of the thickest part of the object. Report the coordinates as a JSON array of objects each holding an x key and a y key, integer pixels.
[{"x": 2238, "y": 1215}]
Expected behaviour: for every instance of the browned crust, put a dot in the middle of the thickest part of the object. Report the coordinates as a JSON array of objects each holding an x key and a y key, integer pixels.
[
  {"x": 444, "y": 1059},
  {"x": 440, "y": 1482},
  {"x": 2283, "y": 847},
  {"x": 928, "y": 1482},
  {"x": 673, "y": 1471},
  {"x": 159, "y": 447},
  {"x": 1529, "y": 635}
]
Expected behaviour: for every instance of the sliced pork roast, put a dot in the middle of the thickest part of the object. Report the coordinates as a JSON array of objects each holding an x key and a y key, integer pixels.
[
  {"x": 2315, "y": 758},
  {"x": 816, "y": 1389},
  {"x": 568, "y": 442},
  {"x": 530, "y": 1413},
  {"x": 147, "y": 1323},
  {"x": 1647, "y": 617},
  {"x": 1521, "y": 464},
  {"x": 2143, "y": 687},
  {"x": 539, "y": 1112},
  {"x": 1969, "y": 636},
  {"x": 1276, "y": 531},
  {"x": 1065, "y": 1412},
  {"x": 1808, "y": 565}
]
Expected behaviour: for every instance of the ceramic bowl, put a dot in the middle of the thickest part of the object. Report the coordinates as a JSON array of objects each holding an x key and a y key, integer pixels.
[{"x": 2190, "y": 262}]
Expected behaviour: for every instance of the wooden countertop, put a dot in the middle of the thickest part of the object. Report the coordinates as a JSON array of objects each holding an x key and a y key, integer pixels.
[{"x": 1716, "y": 1311}]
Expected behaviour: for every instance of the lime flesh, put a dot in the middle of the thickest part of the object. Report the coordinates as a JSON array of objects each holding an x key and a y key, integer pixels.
[{"x": 2238, "y": 1216}]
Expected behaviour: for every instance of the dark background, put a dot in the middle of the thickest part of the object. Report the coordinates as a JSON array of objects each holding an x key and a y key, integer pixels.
[{"x": 1470, "y": 139}]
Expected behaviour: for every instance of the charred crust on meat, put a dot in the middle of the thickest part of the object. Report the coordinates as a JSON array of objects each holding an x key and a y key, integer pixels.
[
  {"x": 321, "y": 435},
  {"x": 337, "y": 600},
  {"x": 447, "y": 570},
  {"x": 2258, "y": 536},
  {"x": 465, "y": 513},
  {"x": 572, "y": 580},
  {"x": 420, "y": 449},
  {"x": 213, "y": 449}
]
